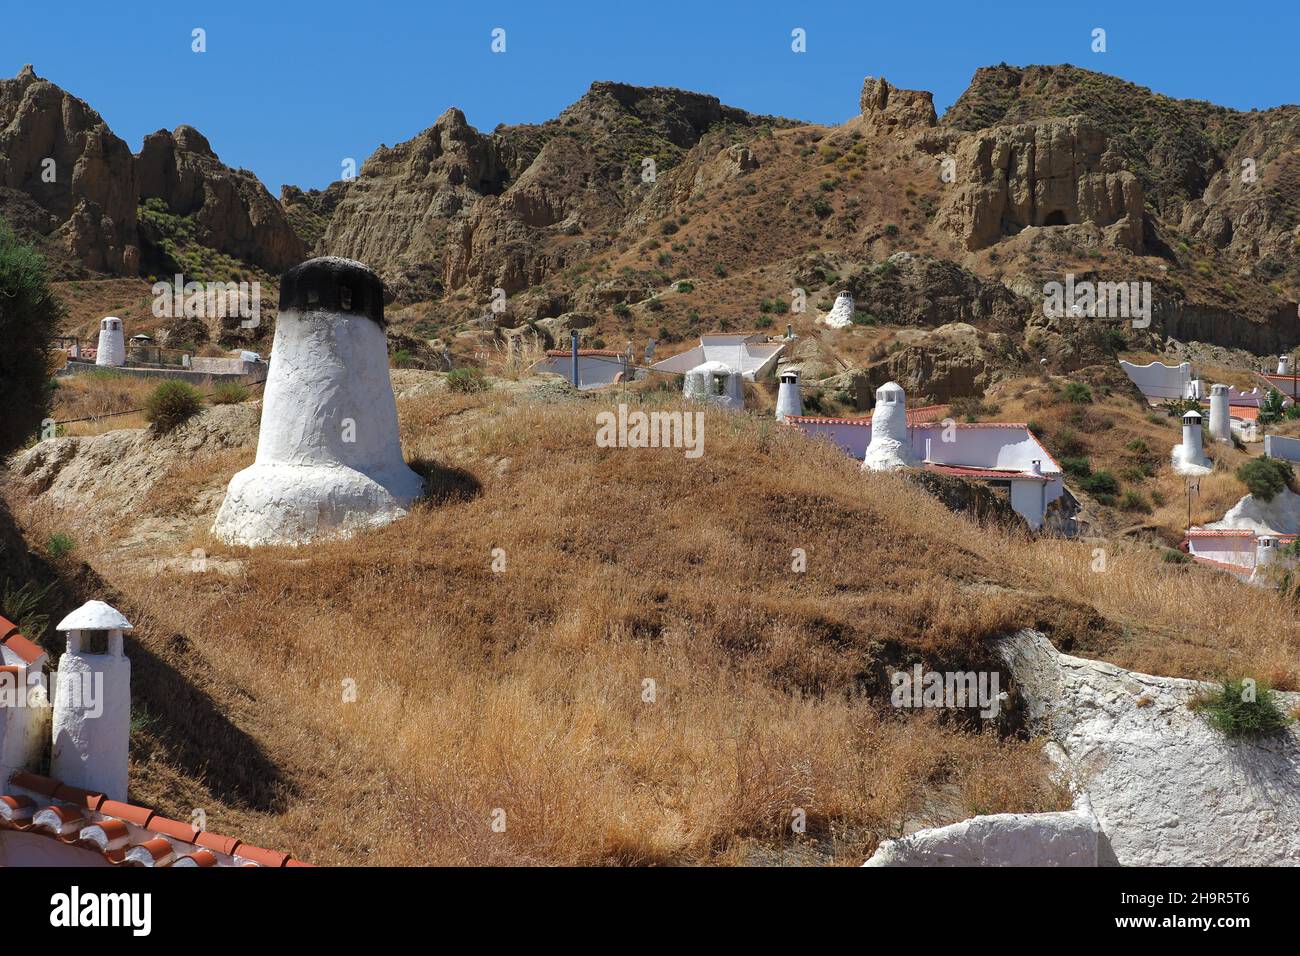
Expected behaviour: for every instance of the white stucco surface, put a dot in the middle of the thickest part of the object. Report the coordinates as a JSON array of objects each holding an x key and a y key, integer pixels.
[
  {"x": 111, "y": 349},
  {"x": 891, "y": 443},
  {"x": 1159, "y": 381},
  {"x": 91, "y": 746},
  {"x": 841, "y": 314},
  {"x": 788, "y": 398},
  {"x": 1220, "y": 419},
  {"x": 1069, "y": 838},
  {"x": 1279, "y": 516},
  {"x": 1166, "y": 789},
  {"x": 329, "y": 459},
  {"x": 701, "y": 385},
  {"x": 94, "y": 616}
]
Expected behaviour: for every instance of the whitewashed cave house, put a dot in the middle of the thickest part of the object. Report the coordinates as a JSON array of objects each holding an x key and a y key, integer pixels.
[
  {"x": 1003, "y": 455},
  {"x": 717, "y": 368}
]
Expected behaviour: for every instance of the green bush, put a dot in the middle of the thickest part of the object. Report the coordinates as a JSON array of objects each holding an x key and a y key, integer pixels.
[
  {"x": 60, "y": 544},
  {"x": 172, "y": 404},
  {"x": 1077, "y": 465},
  {"x": 1239, "y": 708},
  {"x": 1174, "y": 556},
  {"x": 229, "y": 393},
  {"x": 1078, "y": 393},
  {"x": 1266, "y": 477},
  {"x": 1100, "y": 483},
  {"x": 684, "y": 287},
  {"x": 1272, "y": 409},
  {"x": 468, "y": 380},
  {"x": 29, "y": 317}
]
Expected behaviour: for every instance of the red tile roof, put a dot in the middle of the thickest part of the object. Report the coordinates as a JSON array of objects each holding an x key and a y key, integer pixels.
[
  {"x": 78, "y": 818},
  {"x": 1220, "y": 533},
  {"x": 962, "y": 471},
  {"x": 915, "y": 416}
]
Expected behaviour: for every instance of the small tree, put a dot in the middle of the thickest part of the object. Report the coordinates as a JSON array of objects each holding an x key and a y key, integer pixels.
[
  {"x": 29, "y": 316},
  {"x": 172, "y": 404},
  {"x": 1266, "y": 477},
  {"x": 1272, "y": 408}
]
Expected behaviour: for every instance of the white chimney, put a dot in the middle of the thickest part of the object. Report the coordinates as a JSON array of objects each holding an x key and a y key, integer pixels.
[
  {"x": 841, "y": 314},
  {"x": 92, "y": 703},
  {"x": 1284, "y": 365},
  {"x": 891, "y": 445},
  {"x": 1265, "y": 550},
  {"x": 788, "y": 400},
  {"x": 1189, "y": 457},
  {"x": 329, "y": 460},
  {"x": 1036, "y": 466},
  {"x": 112, "y": 346},
  {"x": 1220, "y": 422}
]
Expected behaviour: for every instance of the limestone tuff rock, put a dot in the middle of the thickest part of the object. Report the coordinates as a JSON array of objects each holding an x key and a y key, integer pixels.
[
  {"x": 913, "y": 289},
  {"x": 235, "y": 213},
  {"x": 455, "y": 208},
  {"x": 1044, "y": 173},
  {"x": 88, "y": 194},
  {"x": 952, "y": 361},
  {"x": 889, "y": 109}
]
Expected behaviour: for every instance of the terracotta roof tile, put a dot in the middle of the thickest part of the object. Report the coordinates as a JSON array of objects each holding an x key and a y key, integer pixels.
[
  {"x": 260, "y": 856},
  {"x": 215, "y": 841},
  {"x": 140, "y": 816},
  {"x": 82, "y": 798},
  {"x": 7, "y": 627},
  {"x": 35, "y": 783},
  {"x": 155, "y": 852},
  {"x": 197, "y": 858},
  {"x": 24, "y": 648},
  {"x": 174, "y": 829}
]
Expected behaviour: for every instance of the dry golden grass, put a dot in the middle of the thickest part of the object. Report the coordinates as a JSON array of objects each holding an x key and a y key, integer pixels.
[{"x": 524, "y": 691}]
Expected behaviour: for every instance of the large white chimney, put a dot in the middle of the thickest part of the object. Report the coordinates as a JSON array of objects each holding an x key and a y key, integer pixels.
[
  {"x": 329, "y": 460},
  {"x": 841, "y": 314},
  {"x": 1284, "y": 365},
  {"x": 112, "y": 345},
  {"x": 788, "y": 400},
  {"x": 92, "y": 703},
  {"x": 891, "y": 445},
  {"x": 1220, "y": 421}
]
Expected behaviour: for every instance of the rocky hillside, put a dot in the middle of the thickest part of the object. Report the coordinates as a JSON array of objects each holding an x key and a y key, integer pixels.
[
  {"x": 71, "y": 185},
  {"x": 644, "y": 212}
]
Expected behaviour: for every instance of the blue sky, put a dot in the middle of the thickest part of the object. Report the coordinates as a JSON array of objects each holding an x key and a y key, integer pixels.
[{"x": 290, "y": 89}]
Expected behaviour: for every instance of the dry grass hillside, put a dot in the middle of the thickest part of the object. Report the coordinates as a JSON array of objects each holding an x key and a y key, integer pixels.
[{"x": 524, "y": 690}]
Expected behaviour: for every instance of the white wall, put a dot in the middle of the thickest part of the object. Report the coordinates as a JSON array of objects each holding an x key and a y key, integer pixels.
[
  {"x": 1157, "y": 380},
  {"x": 1275, "y": 446},
  {"x": 594, "y": 371},
  {"x": 1239, "y": 551}
]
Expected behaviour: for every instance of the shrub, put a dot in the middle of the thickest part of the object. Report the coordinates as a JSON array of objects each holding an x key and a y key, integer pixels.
[
  {"x": 232, "y": 393},
  {"x": 1100, "y": 483},
  {"x": 1077, "y": 465},
  {"x": 467, "y": 380},
  {"x": 1078, "y": 393},
  {"x": 685, "y": 287},
  {"x": 622, "y": 310},
  {"x": 1265, "y": 477},
  {"x": 822, "y": 208},
  {"x": 1241, "y": 708},
  {"x": 1132, "y": 501},
  {"x": 171, "y": 404},
  {"x": 1174, "y": 556},
  {"x": 29, "y": 316},
  {"x": 668, "y": 228},
  {"x": 60, "y": 544}
]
